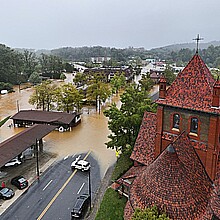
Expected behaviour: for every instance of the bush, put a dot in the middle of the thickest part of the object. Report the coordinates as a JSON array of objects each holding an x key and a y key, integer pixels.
[{"x": 123, "y": 164}]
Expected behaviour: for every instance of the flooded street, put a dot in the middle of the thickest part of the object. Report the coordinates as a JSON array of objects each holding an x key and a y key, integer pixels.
[{"x": 90, "y": 134}]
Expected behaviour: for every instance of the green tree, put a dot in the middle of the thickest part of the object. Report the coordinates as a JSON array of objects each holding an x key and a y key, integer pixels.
[
  {"x": 125, "y": 122},
  {"x": 169, "y": 75},
  {"x": 34, "y": 78},
  {"x": 43, "y": 96},
  {"x": 68, "y": 98},
  {"x": 117, "y": 82},
  {"x": 149, "y": 214},
  {"x": 10, "y": 65},
  {"x": 80, "y": 79},
  {"x": 62, "y": 76},
  {"x": 98, "y": 92},
  {"x": 146, "y": 83},
  {"x": 51, "y": 66},
  {"x": 30, "y": 63}
]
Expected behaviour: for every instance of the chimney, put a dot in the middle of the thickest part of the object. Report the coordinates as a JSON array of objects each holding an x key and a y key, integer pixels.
[
  {"x": 216, "y": 94},
  {"x": 162, "y": 87}
]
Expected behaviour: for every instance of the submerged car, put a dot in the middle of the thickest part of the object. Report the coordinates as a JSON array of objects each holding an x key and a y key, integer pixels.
[
  {"x": 82, "y": 165},
  {"x": 20, "y": 182},
  {"x": 80, "y": 207},
  {"x": 6, "y": 193},
  {"x": 13, "y": 162}
]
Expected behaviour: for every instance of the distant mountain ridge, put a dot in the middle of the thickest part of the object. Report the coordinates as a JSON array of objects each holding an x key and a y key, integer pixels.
[
  {"x": 191, "y": 46},
  {"x": 172, "y": 47}
]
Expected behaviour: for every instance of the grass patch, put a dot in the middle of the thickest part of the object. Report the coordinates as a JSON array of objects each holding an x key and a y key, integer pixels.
[
  {"x": 112, "y": 206},
  {"x": 4, "y": 120},
  {"x": 123, "y": 164}
]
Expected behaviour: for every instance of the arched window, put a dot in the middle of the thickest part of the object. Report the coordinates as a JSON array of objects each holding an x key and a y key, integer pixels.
[
  {"x": 194, "y": 125},
  {"x": 176, "y": 121}
]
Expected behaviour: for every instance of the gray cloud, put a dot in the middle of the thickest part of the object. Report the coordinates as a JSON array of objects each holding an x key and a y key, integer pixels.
[{"x": 52, "y": 24}]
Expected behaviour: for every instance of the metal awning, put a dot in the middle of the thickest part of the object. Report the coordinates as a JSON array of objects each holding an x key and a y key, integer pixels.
[{"x": 15, "y": 145}]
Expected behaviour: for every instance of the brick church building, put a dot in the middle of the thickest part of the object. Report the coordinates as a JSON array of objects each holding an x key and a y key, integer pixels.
[{"x": 177, "y": 152}]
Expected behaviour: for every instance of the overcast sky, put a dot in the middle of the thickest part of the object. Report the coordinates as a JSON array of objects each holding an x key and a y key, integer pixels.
[{"x": 50, "y": 24}]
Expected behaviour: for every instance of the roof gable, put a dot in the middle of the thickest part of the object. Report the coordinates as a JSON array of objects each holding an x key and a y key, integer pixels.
[{"x": 193, "y": 88}]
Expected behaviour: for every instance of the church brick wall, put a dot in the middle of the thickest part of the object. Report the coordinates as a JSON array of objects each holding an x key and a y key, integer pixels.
[{"x": 204, "y": 121}]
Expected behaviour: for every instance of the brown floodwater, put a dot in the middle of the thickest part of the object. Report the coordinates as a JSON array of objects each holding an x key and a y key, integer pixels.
[{"x": 90, "y": 134}]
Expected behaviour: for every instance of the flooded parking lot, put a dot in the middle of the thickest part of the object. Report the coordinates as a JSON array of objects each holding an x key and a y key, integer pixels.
[{"x": 90, "y": 134}]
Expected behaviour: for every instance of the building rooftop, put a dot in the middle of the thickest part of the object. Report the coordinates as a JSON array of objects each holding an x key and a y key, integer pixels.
[
  {"x": 177, "y": 183},
  {"x": 44, "y": 116},
  {"x": 144, "y": 149},
  {"x": 192, "y": 89}
]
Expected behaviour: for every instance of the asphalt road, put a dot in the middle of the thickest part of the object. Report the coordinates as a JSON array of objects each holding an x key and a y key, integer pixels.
[{"x": 54, "y": 195}]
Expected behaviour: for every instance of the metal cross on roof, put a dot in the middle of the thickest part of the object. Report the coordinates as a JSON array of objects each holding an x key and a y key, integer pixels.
[{"x": 197, "y": 42}]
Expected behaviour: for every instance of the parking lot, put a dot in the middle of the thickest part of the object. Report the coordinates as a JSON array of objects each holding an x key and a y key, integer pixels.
[{"x": 28, "y": 170}]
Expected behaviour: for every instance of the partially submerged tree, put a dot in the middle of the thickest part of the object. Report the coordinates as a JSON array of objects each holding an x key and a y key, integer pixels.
[
  {"x": 43, "y": 96},
  {"x": 98, "y": 92},
  {"x": 68, "y": 98},
  {"x": 117, "y": 82}
]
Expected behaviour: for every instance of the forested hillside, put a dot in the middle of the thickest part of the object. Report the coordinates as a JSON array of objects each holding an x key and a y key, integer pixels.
[
  {"x": 17, "y": 66},
  {"x": 211, "y": 55}
]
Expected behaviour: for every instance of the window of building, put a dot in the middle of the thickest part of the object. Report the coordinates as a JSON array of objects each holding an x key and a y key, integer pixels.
[
  {"x": 194, "y": 125},
  {"x": 176, "y": 121}
]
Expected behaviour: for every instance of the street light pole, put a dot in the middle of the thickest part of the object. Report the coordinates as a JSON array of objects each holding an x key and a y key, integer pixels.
[
  {"x": 36, "y": 147},
  {"x": 90, "y": 195}
]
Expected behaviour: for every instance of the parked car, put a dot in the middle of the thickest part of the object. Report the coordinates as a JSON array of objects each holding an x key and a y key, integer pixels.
[
  {"x": 80, "y": 164},
  {"x": 20, "y": 182},
  {"x": 80, "y": 207},
  {"x": 13, "y": 162},
  {"x": 6, "y": 193}
]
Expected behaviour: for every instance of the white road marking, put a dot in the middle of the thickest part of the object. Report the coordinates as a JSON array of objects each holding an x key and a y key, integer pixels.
[
  {"x": 66, "y": 157},
  {"x": 80, "y": 188},
  {"x": 47, "y": 185}
]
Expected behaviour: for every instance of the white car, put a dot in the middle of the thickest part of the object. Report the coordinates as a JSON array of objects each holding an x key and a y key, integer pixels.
[
  {"x": 80, "y": 164},
  {"x": 13, "y": 162}
]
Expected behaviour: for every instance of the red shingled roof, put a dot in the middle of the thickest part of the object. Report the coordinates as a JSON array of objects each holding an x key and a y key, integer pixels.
[
  {"x": 192, "y": 89},
  {"x": 144, "y": 149},
  {"x": 177, "y": 182}
]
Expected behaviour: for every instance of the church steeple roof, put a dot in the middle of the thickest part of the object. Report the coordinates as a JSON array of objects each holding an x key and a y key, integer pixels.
[
  {"x": 176, "y": 182},
  {"x": 192, "y": 89}
]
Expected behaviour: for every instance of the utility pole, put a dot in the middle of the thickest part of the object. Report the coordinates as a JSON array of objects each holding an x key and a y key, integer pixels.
[
  {"x": 90, "y": 194},
  {"x": 37, "y": 159}
]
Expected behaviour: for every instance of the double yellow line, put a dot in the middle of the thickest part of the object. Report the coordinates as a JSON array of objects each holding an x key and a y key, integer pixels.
[{"x": 60, "y": 190}]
